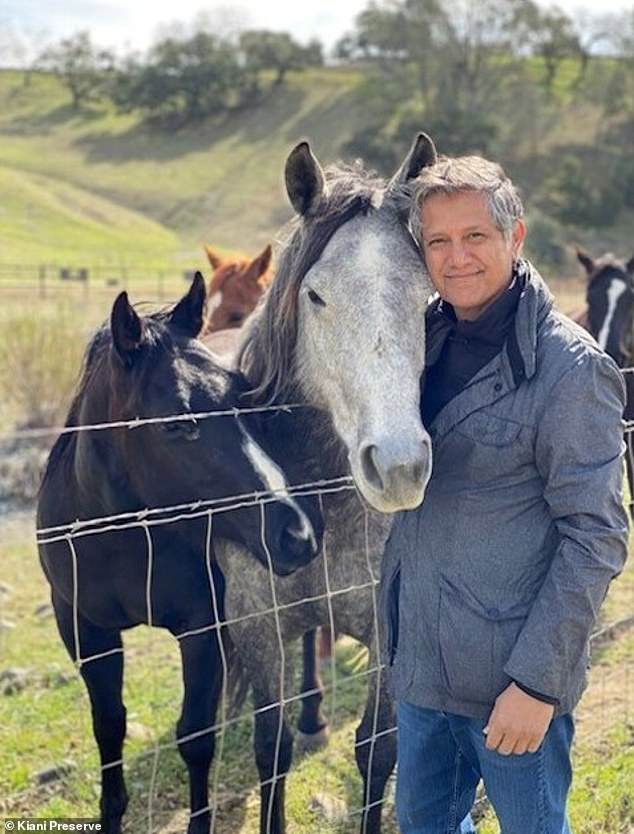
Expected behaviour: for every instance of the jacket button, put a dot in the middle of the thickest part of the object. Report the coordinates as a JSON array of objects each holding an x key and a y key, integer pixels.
[
  {"x": 494, "y": 612},
  {"x": 497, "y": 387}
]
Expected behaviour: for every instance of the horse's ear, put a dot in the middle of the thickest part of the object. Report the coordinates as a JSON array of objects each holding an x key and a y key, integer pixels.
[
  {"x": 189, "y": 313},
  {"x": 585, "y": 260},
  {"x": 126, "y": 328},
  {"x": 259, "y": 265},
  {"x": 421, "y": 155},
  {"x": 214, "y": 259},
  {"x": 629, "y": 266},
  {"x": 305, "y": 181}
]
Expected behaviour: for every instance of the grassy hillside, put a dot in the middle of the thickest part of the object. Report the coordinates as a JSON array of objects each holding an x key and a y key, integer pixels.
[
  {"x": 96, "y": 186},
  {"x": 220, "y": 180},
  {"x": 46, "y": 218}
]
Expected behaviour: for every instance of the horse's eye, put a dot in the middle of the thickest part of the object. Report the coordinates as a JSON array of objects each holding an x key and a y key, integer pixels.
[
  {"x": 186, "y": 429},
  {"x": 316, "y": 299},
  {"x": 236, "y": 318}
]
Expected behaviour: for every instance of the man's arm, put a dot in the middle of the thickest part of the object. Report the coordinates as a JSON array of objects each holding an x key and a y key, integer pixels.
[{"x": 579, "y": 456}]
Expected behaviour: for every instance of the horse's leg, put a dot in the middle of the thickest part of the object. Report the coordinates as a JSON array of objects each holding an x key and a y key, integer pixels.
[
  {"x": 202, "y": 678},
  {"x": 104, "y": 680},
  {"x": 273, "y": 752},
  {"x": 270, "y": 676},
  {"x": 375, "y": 748},
  {"x": 312, "y": 726},
  {"x": 326, "y": 643}
]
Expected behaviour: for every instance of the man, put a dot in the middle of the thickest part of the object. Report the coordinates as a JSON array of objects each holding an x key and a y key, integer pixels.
[{"x": 492, "y": 586}]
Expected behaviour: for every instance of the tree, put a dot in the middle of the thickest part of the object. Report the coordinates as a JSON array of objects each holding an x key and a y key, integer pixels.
[
  {"x": 81, "y": 66},
  {"x": 552, "y": 36},
  {"x": 192, "y": 78},
  {"x": 262, "y": 50}
]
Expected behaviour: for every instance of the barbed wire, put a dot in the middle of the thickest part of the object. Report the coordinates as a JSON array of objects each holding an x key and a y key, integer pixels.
[
  {"x": 189, "y": 417},
  {"x": 180, "y": 512},
  {"x": 137, "y": 422}
]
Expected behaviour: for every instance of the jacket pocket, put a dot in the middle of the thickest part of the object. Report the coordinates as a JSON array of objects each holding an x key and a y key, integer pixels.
[
  {"x": 488, "y": 429},
  {"x": 474, "y": 644},
  {"x": 394, "y": 593}
]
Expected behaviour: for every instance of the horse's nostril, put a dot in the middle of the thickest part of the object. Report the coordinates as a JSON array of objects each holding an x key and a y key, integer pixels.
[
  {"x": 417, "y": 472},
  {"x": 370, "y": 467}
]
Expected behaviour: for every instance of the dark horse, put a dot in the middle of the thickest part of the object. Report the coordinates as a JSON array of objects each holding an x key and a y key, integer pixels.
[
  {"x": 154, "y": 565},
  {"x": 610, "y": 319}
]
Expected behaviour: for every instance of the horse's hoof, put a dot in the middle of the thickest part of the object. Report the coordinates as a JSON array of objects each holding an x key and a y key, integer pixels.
[
  {"x": 111, "y": 825},
  {"x": 310, "y": 742}
]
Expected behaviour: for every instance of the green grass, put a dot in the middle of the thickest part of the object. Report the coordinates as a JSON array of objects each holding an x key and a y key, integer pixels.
[
  {"x": 208, "y": 182},
  {"x": 46, "y": 219}
]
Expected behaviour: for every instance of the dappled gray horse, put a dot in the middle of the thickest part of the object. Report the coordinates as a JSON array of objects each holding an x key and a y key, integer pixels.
[{"x": 342, "y": 331}]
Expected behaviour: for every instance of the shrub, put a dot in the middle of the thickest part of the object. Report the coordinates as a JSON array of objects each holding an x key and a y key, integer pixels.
[
  {"x": 544, "y": 243},
  {"x": 578, "y": 198}
]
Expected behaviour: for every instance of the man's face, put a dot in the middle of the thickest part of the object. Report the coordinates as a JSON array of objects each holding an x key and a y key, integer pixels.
[{"x": 469, "y": 260}]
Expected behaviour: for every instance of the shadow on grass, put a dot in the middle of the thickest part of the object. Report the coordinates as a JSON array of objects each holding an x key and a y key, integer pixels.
[
  {"x": 36, "y": 124},
  {"x": 146, "y": 142}
]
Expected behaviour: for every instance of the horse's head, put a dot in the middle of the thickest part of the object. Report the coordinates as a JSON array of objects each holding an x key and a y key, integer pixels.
[
  {"x": 610, "y": 299},
  {"x": 235, "y": 288},
  {"x": 159, "y": 368},
  {"x": 343, "y": 322}
]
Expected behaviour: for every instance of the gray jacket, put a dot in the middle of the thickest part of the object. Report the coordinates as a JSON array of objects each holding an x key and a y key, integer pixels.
[{"x": 501, "y": 571}]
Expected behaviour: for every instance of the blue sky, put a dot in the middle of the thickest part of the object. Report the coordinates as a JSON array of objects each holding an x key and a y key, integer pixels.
[{"x": 135, "y": 23}]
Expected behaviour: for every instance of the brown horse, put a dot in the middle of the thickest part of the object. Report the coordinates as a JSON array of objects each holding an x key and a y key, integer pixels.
[{"x": 235, "y": 288}]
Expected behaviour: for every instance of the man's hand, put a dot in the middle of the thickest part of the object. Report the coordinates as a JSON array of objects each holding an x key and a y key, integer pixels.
[{"x": 518, "y": 722}]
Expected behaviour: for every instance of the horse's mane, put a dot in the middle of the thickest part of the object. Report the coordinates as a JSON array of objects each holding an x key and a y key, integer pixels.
[
  {"x": 97, "y": 370},
  {"x": 266, "y": 354}
]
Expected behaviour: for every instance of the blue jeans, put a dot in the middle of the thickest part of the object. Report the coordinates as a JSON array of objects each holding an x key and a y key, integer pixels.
[{"x": 442, "y": 757}]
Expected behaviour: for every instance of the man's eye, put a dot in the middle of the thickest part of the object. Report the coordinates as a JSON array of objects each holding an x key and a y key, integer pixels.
[
  {"x": 435, "y": 242},
  {"x": 476, "y": 236}
]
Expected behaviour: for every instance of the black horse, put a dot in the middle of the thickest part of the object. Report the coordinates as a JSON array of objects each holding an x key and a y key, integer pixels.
[
  {"x": 610, "y": 319},
  {"x": 155, "y": 566}
]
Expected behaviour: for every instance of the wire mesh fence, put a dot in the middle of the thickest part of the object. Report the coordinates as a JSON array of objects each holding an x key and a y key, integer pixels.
[
  {"x": 612, "y": 696},
  {"x": 149, "y": 519}
]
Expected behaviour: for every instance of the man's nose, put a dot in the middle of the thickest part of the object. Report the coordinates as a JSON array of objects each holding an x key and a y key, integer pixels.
[{"x": 458, "y": 254}]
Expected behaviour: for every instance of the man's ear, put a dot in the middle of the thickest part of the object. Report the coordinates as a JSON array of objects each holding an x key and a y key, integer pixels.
[{"x": 518, "y": 236}]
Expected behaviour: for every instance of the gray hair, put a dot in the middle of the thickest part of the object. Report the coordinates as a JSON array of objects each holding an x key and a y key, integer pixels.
[{"x": 452, "y": 175}]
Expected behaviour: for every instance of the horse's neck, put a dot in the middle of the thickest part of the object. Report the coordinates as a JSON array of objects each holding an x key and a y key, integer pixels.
[
  {"x": 317, "y": 443},
  {"x": 224, "y": 345}
]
